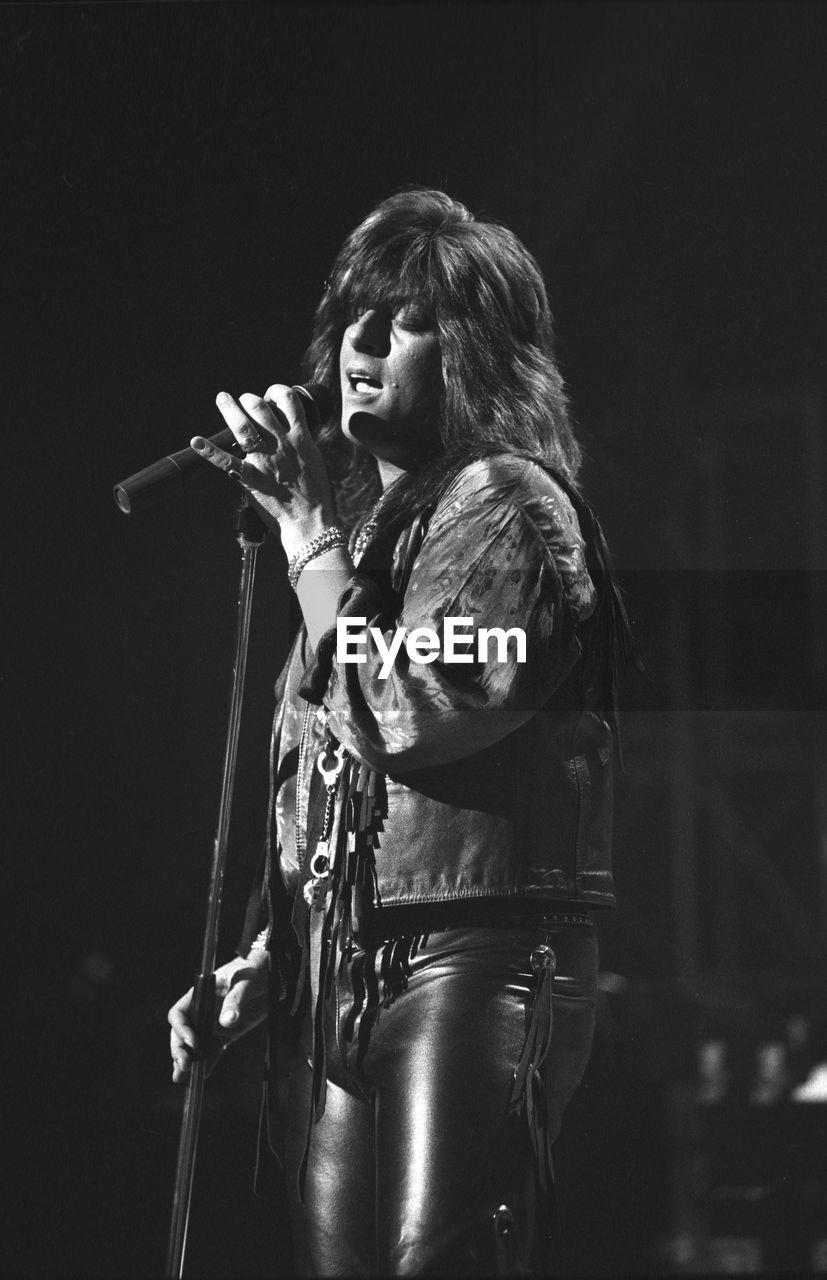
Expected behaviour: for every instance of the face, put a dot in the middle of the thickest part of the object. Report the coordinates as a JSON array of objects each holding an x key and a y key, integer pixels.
[{"x": 391, "y": 376}]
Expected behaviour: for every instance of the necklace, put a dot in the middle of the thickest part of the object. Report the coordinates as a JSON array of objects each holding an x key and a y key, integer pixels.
[{"x": 367, "y": 531}]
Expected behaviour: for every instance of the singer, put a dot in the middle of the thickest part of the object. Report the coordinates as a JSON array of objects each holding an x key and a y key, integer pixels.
[{"x": 438, "y": 840}]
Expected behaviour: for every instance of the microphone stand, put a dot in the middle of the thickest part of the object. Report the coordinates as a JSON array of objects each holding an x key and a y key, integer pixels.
[{"x": 250, "y": 534}]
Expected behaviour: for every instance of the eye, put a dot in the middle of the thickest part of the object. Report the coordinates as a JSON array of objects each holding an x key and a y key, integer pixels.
[
  {"x": 413, "y": 316},
  {"x": 357, "y": 310}
]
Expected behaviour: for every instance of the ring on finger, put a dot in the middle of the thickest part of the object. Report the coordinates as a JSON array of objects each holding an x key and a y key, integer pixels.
[{"x": 252, "y": 442}]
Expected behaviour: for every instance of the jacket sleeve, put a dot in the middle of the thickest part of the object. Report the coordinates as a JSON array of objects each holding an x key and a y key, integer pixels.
[{"x": 503, "y": 550}]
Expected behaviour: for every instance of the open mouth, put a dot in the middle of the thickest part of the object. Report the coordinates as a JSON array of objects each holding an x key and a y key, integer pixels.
[{"x": 362, "y": 383}]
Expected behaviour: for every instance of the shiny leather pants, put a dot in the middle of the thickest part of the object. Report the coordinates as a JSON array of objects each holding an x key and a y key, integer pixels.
[{"x": 416, "y": 1166}]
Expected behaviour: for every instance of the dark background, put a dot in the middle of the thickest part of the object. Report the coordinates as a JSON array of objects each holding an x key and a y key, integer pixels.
[{"x": 177, "y": 179}]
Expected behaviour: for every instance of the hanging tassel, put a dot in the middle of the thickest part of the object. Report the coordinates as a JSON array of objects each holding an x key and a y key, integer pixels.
[
  {"x": 528, "y": 1095},
  {"x": 318, "y": 1085},
  {"x": 336, "y": 922},
  {"x": 322, "y": 932}
]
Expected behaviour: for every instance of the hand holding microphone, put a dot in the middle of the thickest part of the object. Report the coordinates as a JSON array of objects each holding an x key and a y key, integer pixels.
[
  {"x": 163, "y": 477},
  {"x": 285, "y": 475},
  {"x": 282, "y": 469}
]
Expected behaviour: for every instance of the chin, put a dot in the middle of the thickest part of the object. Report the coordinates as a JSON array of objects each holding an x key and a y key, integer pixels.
[{"x": 370, "y": 431}]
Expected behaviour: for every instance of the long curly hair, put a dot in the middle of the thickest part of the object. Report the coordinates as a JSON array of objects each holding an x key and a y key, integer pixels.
[{"x": 484, "y": 292}]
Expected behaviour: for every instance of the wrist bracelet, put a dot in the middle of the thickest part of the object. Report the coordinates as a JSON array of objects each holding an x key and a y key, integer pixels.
[
  {"x": 334, "y": 537},
  {"x": 260, "y": 943}
]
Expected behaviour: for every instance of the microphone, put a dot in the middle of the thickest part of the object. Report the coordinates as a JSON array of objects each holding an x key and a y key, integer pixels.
[{"x": 164, "y": 476}]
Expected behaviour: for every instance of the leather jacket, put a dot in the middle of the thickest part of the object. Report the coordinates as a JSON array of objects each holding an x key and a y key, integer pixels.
[{"x": 492, "y": 779}]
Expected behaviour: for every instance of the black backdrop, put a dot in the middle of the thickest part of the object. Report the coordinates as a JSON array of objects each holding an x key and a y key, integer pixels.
[{"x": 177, "y": 178}]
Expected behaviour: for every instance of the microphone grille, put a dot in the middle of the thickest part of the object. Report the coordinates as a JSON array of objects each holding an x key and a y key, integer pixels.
[{"x": 318, "y": 403}]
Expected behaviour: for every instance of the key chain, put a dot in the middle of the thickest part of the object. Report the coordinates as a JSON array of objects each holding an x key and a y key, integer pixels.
[{"x": 330, "y": 764}]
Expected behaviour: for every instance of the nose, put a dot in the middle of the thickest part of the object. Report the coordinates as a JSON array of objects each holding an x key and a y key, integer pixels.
[{"x": 370, "y": 334}]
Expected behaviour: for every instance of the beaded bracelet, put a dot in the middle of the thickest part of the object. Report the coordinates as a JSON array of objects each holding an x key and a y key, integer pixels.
[{"x": 334, "y": 537}]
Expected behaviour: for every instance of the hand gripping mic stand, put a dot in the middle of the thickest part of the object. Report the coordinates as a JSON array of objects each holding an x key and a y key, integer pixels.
[{"x": 250, "y": 536}]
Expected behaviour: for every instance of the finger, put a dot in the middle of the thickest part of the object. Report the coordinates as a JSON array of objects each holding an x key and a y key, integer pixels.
[
  {"x": 182, "y": 1043},
  {"x": 254, "y": 432},
  {"x": 179, "y": 1072},
  {"x": 183, "y": 1047},
  {"x": 238, "y": 1012},
  {"x": 229, "y": 1018},
  {"x": 181, "y": 1028},
  {"x": 225, "y": 462},
  {"x": 265, "y": 424},
  {"x": 287, "y": 403},
  {"x": 250, "y": 476},
  {"x": 244, "y": 1005},
  {"x": 182, "y": 1062}
]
